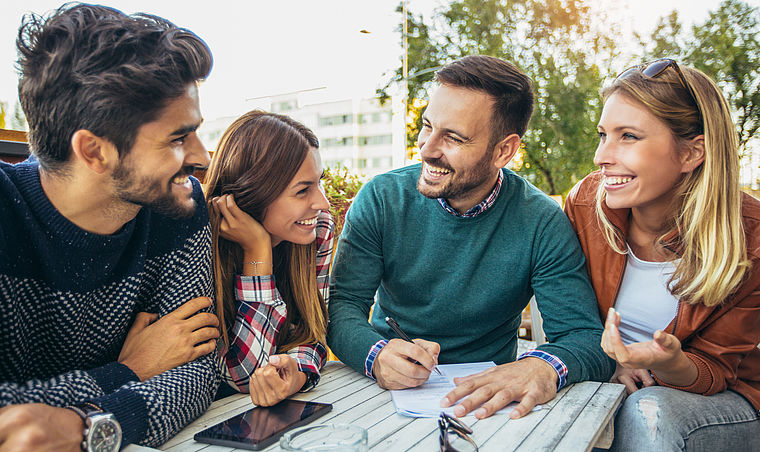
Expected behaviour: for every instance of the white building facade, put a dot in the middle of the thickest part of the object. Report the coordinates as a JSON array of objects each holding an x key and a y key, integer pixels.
[{"x": 365, "y": 136}]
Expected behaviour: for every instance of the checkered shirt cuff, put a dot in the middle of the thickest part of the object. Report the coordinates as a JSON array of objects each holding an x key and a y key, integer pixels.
[
  {"x": 555, "y": 362},
  {"x": 310, "y": 358},
  {"x": 257, "y": 289},
  {"x": 370, "y": 361}
]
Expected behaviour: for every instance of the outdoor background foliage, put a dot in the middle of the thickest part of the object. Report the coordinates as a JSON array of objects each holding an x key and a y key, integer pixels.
[
  {"x": 341, "y": 186},
  {"x": 570, "y": 52}
]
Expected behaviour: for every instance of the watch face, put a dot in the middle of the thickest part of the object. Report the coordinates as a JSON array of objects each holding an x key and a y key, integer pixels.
[{"x": 104, "y": 435}]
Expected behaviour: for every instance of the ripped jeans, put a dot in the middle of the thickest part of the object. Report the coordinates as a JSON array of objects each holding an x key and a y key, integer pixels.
[{"x": 665, "y": 419}]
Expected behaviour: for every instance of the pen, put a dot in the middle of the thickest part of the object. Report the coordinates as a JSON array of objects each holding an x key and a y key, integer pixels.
[{"x": 400, "y": 333}]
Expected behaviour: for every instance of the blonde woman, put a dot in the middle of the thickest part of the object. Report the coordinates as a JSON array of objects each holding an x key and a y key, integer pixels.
[
  {"x": 672, "y": 250},
  {"x": 272, "y": 243}
]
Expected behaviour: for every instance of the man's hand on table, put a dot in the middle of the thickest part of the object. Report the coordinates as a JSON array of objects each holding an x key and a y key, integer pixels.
[
  {"x": 531, "y": 381},
  {"x": 39, "y": 427},
  {"x": 394, "y": 366}
]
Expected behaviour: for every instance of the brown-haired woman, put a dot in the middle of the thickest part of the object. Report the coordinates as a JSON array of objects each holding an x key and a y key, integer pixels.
[{"x": 272, "y": 243}]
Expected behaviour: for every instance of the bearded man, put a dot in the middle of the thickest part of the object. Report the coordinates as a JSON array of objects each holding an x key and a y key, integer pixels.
[
  {"x": 104, "y": 237},
  {"x": 454, "y": 248}
]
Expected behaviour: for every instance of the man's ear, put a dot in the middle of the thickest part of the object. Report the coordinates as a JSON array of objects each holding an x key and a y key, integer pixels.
[
  {"x": 505, "y": 150},
  {"x": 694, "y": 154},
  {"x": 96, "y": 153}
]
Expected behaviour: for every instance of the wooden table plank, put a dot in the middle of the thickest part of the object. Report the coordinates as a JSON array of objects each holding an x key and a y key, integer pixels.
[
  {"x": 574, "y": 420},
  {"x": 587, "y": 430},
  {"x": 387, "y": 427},
  {"x": 410, "y": 436},
  {"x": 561, "y": 417},
  {"x": 511, "y": 433},
  {"x": 365, "y": 409},
  {"x": 219, "y": 411}
]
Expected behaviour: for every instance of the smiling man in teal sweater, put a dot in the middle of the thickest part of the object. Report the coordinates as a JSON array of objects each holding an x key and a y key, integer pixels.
[{"x": 455, "y": 247}]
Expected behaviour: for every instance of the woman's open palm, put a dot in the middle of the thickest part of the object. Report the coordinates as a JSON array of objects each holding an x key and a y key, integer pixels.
[{"x": 663, "y": 349}]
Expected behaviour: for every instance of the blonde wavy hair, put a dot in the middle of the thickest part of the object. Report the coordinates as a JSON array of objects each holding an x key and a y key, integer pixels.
[{"x": 707, "y": 215}]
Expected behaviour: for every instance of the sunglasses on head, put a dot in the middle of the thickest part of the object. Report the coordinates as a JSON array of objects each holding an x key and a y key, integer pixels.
[{"x": 654, "y": 69}]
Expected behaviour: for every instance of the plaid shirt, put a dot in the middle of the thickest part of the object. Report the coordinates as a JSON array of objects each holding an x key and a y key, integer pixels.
[
  {"x": 261, "y": 313},
  {"x": 480, "y": 207}
]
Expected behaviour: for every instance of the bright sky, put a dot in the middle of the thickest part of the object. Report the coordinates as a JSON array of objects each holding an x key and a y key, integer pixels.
[{"x": 265, "y": 47}]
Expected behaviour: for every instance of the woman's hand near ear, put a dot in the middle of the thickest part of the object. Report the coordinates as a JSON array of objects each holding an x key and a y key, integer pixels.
[{"x": 239, "y": 227}]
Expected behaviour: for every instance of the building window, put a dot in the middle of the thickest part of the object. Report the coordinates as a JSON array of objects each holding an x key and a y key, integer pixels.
[
  {"x": 361, "y": 163},
  {"x": 285, "y": 106},
  {"x": 338, "y": 142},
  {"x": 325, "y": 121},
  {"x": 375, "y": 140}
]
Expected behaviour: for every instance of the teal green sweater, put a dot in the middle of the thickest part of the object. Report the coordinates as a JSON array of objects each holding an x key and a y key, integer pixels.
[{"x": 462, "y": 282}]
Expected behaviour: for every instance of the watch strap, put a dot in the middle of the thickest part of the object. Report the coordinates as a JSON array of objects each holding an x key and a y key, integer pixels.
[{"x": 85, "y": 410}]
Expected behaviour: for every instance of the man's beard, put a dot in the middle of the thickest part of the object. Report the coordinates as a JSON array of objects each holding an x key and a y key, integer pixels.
[
  {"x": 151, "y": 193},
  {"x": 460, "y": 182}
]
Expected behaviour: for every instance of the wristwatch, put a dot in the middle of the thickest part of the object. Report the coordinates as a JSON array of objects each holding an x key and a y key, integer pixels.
[{"x": 102, "y": 432}]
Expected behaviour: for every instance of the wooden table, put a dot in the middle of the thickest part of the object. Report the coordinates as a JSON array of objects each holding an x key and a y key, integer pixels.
[{"x": 578, "y": 418}]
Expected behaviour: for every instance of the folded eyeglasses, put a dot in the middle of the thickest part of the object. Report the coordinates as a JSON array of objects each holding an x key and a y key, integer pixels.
[{"x": 448, "y": 424}]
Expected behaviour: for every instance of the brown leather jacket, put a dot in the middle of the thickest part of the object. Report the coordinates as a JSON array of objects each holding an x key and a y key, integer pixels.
[{"x": 721, "y": 340}]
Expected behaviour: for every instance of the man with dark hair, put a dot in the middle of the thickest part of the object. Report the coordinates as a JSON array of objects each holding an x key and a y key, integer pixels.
[
  {"x": 454, "y": 248},
  {"x": 105, "y": 312}
]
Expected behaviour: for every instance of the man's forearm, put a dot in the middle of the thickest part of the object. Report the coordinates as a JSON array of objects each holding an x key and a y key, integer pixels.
[
  {"x": 349, "y": 334},
  {"x": 69, "y": 388},
  {"x": 150, "y": 417}
]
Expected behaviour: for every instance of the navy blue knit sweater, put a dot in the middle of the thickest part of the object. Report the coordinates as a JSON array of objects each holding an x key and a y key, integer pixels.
[{"x": 68, "y": 298}]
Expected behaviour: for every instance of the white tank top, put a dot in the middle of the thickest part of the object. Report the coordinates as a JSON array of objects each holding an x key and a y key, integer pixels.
[{"x": 644, "y": 302}]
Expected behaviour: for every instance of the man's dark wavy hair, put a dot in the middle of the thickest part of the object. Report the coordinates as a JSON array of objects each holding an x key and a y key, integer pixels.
[{"x": 95, "y": 68}]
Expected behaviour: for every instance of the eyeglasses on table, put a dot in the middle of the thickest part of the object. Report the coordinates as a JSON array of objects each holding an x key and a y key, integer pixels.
[{"x": 454, "y": 435}]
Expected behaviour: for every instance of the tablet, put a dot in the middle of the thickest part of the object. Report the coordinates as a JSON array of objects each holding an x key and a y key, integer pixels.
[{"x": 259, "y": 427}]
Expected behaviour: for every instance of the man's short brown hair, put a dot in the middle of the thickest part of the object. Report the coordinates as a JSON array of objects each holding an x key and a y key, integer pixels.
[{"x": 510, "y": 88}]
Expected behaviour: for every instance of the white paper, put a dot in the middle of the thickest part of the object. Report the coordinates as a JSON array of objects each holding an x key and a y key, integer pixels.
[{"x": 425, "y": 400}]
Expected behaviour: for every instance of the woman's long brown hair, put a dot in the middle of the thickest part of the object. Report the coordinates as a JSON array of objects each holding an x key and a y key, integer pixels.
[{"x": 257, "y": 157}]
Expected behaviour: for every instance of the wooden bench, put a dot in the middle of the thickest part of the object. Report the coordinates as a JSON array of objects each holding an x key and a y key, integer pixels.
[{"x": 13, "y": 146}]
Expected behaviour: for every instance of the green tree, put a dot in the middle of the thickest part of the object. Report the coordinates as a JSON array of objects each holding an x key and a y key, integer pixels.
[
  {"x": 725, "y": 47},
  {"x": 341, "y": 186},
  {"x": 666, "y": 40},
  {"x": 2, "y": 115},
  {"x": 557, "y": 43},
  {"x": 18, "y": 120}
]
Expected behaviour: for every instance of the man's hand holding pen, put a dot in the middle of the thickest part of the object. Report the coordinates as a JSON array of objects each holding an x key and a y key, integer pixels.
[{"x": 401, "y": 364}]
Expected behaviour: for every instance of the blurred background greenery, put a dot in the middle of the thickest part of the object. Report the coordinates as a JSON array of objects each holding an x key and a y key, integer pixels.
[{"x": 570, "y": 51}]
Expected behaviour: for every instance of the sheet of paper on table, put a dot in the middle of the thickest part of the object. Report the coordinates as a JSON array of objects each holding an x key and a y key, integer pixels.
[{"x": 425, "y": 400}]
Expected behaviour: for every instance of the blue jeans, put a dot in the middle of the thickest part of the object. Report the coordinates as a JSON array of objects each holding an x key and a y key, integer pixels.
[{"x": 665, "y": 419}]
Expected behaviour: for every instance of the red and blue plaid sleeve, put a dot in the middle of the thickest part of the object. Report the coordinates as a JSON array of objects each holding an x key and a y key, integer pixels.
[
  {"x": 325, "y": 231},
  {"x": 555, "y": 362},
  {"x": 370, "y": 361},
  {"x": 261, "y": 314},
  {"x": 310, "y": 358}
]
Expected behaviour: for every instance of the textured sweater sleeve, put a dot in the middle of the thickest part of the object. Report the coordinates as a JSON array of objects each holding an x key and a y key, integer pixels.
[
  {"x": 567, "y": 303},
  {"x": 68, "y": 388},
  {"x": 357, "y": 271},
  {"x": 153, "y": 411}
]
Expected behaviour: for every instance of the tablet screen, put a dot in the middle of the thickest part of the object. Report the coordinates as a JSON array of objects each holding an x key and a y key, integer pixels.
[{"x": 262, "y": 426}]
